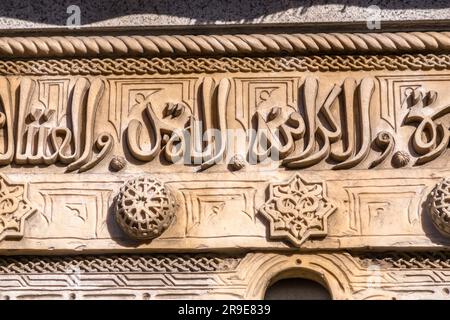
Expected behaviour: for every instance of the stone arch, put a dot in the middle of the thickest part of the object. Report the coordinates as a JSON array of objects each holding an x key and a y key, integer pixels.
[{"x": 296, "y": 288}]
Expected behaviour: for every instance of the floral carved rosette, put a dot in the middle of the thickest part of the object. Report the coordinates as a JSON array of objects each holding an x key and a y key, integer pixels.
[
  {"x": 14, "y": 209},
  {"x": 297, "y": 210}
]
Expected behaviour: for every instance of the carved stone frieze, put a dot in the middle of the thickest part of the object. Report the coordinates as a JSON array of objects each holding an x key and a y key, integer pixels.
[
  {"x": 338, "y": 124},
  {"x": 185, "y": 65},
  {"x": 387, "y": 275},
  {"x": 235, "y": 130},
  {"x": 247, "y": 157}
]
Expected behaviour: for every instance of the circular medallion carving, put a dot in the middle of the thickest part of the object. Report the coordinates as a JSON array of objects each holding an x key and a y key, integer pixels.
[
  {"x": 145, "y": 207},
  {"x": 440, "y": 206}
]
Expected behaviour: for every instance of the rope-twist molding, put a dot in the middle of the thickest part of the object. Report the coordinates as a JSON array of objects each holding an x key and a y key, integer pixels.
[{"x": 221, "y": 45}]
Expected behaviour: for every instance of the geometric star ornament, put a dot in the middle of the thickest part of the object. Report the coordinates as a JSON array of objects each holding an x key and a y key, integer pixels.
[
  {"x": 14, "y": 209},
  {"x": 297, "y": 210}
]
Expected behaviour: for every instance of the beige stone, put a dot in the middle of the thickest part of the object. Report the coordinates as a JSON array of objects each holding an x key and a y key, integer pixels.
[{"x": 224, "y": 173}]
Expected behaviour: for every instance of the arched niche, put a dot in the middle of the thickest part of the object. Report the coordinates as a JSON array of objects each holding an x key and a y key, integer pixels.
[
  {"x": 297, "y": 284},
  {"x": 297, "y": 289},
  {"x": 325, "y": 270}
]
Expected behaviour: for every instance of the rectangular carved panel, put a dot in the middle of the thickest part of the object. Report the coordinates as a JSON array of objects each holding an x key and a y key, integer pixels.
[{"x": 218, "y": 142}]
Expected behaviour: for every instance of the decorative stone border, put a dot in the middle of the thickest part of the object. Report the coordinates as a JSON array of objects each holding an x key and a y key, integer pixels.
[
  {"x": 167, "y": 65},
  {"x": 213, "y": 45}
]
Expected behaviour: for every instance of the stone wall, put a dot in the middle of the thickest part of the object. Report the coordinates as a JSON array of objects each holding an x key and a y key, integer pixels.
[
  {"x": 110, "y": 178},
  {"x": 37, "y": 14}
]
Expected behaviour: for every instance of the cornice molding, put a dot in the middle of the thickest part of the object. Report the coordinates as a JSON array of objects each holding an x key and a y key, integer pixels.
[{"x": 225, "y": 45}]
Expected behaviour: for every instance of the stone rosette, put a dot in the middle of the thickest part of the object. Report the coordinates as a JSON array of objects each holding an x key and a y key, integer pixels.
[
  {"x": 440, "y": 206},
  {"x": 145, "y": 207},
  {"x": 14, "y": 209},
  {"x": 297, "y": 210}
]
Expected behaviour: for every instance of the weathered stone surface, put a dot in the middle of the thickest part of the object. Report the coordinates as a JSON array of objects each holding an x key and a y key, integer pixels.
[{"x": 107, "y": 13}]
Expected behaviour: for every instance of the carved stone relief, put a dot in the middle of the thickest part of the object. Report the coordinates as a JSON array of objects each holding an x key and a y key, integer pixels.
[
  {"x": 298, "y": 122},
  {"x": 386, "y": 275},
  {"x": 297, "y": 210},
  {"x": 145, "y": 208},
  {"x": 138, "y": 146},
  {"x": 439, "y": 207},
  {"x": 14, "y": 209}
]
